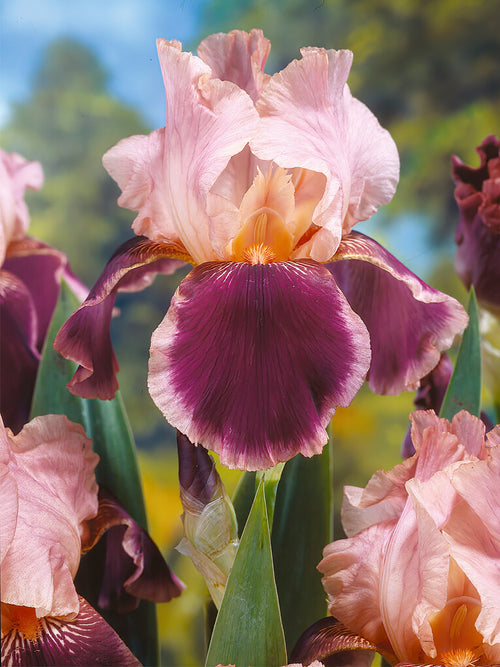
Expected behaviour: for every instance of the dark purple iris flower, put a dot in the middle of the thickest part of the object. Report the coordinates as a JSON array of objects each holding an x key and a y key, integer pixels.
[{"x": 477, "y": 236}]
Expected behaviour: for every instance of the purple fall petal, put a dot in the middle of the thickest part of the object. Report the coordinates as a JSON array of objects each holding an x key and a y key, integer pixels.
[
  {"x": 328, "y": 638},
  {"x": 87, "y": 640},
  {"x": 85, "y": 338},
  {"x": 134, "y": 568},
  {"x": 252, "y": 360},
  {"x": 198, "y": 477},
  {"x": 409, "y": 322},
  {"x": 19, "y": 356}
]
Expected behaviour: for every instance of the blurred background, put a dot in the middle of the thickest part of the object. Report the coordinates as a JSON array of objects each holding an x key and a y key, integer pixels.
[{"x": 77, "y": 77}]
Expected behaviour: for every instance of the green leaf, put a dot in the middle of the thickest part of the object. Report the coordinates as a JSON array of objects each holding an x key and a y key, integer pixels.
[
  {"x": 248, "y": 628},
  {"x": 271, "y": 480},
  {"x": 243, "y": 498},
  {"x": 107, "y": 424},
  {"x": 302, "y": 528},
  {"x": 464, "y": 390}
]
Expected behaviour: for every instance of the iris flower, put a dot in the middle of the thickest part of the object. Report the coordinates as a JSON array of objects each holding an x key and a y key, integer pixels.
[
  {"x": 30, "y": 278},
  {"x": 258, "y": 182},
  {"x": 418, "y": 575},
  {"x": 477, "y": 193},
  {"x": 48, "y": 491}
]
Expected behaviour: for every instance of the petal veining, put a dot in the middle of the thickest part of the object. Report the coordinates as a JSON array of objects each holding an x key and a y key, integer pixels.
[
  {"x": 409, "y": 322},
  {"x": 238, "y": 341}
]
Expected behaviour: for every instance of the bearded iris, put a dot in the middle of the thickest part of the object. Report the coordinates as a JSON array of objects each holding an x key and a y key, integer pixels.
[
  {"x": 258, "y": 181},
  {"x": 417, "y": 575}
]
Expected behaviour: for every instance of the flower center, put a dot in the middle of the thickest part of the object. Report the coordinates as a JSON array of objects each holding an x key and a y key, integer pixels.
[
  {"x": 22, "y": 620},
  {"x": 263, "y": 238},
  {"x": 460, "y": 658},
  {"x": 457, "y": 641}
]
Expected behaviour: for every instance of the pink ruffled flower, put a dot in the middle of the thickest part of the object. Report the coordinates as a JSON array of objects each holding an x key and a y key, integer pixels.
[
  {"x": 258, "y": 182},
  {"x": 48, "y": 492},
  {"x": 30, "y": 279},
  {"x": 418, "y": 576}
]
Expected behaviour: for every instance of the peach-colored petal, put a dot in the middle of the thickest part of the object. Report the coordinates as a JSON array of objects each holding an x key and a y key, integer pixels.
[
  {"x": 383, "y": 498},
  {"x": 52, "y": 464},
  {"x": 474, "y": 534},
  {"x": 167, "y": 175},
  {"x": 351, "y": 570},
  {"x": 310, "y": 120},
  {"x": 16, "y": 174},
  {"x": 239, "y": 57}
]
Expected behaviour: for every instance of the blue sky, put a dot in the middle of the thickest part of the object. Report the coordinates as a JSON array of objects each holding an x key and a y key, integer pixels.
[{"x": 121, "y": 32}]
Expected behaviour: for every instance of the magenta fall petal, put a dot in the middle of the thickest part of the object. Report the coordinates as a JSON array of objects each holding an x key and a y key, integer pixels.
[
  {"x": 239, "y": 341},
  {"x": 409, "y": 322},
  {"x": 87, "y": 640},
  {"x": 85, "y": 338}
]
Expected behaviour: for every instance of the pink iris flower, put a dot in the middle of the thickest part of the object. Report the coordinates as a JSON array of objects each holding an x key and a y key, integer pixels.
[
  {"x": 30, "y": 278},
  {"x": 258, "y": 181},
  {"x": 419, "y": 574},
  {"x": 48, "y": 492}
]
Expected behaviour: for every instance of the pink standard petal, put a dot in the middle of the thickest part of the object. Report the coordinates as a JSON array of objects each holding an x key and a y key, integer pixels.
[
  {"x": 167, "y": 175},
  {"x": 351, "y": 577},
  {"x": 239, "y": 57},
  {"x": 87, "y": 640},
  {"x": 16, "y": 174},
  {"x": 410, "y": 323},
  {"x": 310, "y": 120},
  {"x": 85, "y": 338},
  {"x": 252, "y": 360},
  {"x": 52, "y": 463}
]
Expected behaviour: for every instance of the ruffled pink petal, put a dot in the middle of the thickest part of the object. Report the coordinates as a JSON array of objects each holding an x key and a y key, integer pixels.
[
  {"x": 52, "y": 464},
  {"x": 310, "y": 120},
  {"x": 351, "y": 577},
  {"x": 252, "y": 360},
  {"x": 85, "y": 337},
  {"x": 86, "y": 640},
  {"x": 16, "y": 174},
  {"x": 134, "y": 567},
  {"x": 383, "y": 498},
  {"x": 474, "y": 534},
  {"x": 239, "y": 57},
  {"x": 409, "y": 322},
  {"x": 167, "y": 175}
]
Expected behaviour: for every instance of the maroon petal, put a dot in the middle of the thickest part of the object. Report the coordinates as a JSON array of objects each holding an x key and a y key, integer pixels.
[
  {"x": 409, "y": 322},
  {"x": 85, "y": 338},
  {"x": 85, "y": 641},
  {"x": 134, "y": 568},
  {"x": 19, "y": 356},
  {"x": 41, "y": 268},
  {"x": 327, "y": 637},
  {"x": 252, "y": 360}
]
